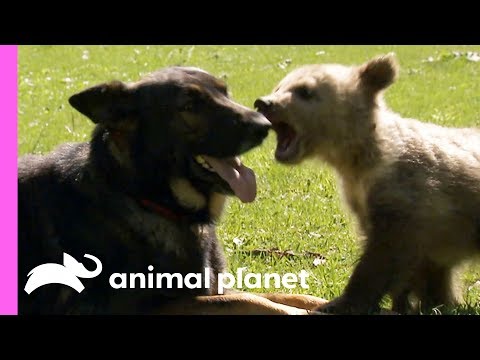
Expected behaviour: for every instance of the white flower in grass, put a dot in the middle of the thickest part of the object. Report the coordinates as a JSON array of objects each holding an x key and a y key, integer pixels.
[
  {"x": 319, "y": 261},
  {"x": 237, "y": 241},
  {"x": 473, "y": 56},
  {"x": 85, "y": 55},
  {"x": 475, "y": 285}
]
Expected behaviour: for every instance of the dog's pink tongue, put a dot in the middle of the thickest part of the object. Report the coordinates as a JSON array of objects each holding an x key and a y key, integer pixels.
[{"x": 240, "y": 178}]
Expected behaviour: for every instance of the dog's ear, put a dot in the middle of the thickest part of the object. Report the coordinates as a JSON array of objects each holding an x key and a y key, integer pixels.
[
  {"x": 107, "y": 103},
  {"x": 379, "y": 73}
]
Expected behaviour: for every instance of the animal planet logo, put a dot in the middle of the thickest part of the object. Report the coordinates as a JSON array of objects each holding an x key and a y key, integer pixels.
[{"x": 66, "y": 274}]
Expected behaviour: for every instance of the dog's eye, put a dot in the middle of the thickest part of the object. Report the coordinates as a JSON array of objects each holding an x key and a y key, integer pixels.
[
  {"x": 304, "y": 93},
  {"x": 188, "y": 107},
  {"x": 223, "y": 90}
]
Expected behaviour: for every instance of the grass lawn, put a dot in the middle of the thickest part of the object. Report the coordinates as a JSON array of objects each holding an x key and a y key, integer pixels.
[{"x": 298, "y": 208}]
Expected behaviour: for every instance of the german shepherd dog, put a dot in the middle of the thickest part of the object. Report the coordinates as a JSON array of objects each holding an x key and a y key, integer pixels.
[{"x": 145, "y": 192}]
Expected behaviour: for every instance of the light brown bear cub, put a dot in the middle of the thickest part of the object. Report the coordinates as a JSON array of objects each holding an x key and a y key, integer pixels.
[{"x": 414, "y": 187}]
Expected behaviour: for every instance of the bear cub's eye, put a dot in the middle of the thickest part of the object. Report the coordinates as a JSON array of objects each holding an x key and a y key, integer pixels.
[{"x": 304, "y": 93}]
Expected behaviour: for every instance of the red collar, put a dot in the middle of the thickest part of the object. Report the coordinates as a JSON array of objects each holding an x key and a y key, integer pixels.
[
  {"x": 161, "y": 210},
  {"x": 118, "y": 138}
]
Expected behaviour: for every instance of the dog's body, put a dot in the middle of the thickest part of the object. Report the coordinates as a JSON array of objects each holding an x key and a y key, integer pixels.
[
  {"x": 147, "y": 190},
  {"x": 414, "y": 187}
]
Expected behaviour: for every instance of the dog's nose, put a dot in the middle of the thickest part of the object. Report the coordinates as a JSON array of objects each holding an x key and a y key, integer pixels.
[
  {"x": 262, "y": 103},
  {"x": 260, "y": 126}
]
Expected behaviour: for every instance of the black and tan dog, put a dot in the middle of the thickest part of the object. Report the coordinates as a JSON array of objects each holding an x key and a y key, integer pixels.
[{"x": 147, "y": 190}]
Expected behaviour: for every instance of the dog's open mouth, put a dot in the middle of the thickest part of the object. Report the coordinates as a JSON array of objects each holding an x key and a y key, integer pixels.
[
  {"x": 287, "y": 141},
  {"x": 240, "y": 178}
]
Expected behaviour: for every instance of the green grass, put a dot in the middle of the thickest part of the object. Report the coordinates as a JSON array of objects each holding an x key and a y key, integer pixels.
[{"x": 297, "y": 208}]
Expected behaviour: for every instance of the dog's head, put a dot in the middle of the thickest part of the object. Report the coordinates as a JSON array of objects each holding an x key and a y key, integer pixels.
[
  {"x": 316, "y": 108},
  {"x": 177, "y": 126}
]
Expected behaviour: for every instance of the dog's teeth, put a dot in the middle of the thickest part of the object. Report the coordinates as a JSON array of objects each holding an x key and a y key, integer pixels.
[
  {"x": 207, "y": 166},
  {"x": 200, "y": 159}
]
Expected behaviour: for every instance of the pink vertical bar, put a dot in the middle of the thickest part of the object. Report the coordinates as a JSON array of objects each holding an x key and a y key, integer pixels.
[{"x": 8, "y": 180}]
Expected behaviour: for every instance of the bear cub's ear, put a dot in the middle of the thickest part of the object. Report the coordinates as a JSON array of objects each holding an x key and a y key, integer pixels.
[{"x": 379, "y": 73}]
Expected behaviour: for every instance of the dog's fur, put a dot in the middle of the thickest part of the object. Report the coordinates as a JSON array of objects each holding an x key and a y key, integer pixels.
[
  {"x": 414, "y": 187},
  {"x": 89, "y": 198}
]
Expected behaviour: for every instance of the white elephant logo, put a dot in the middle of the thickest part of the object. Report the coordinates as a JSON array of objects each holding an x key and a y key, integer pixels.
[{"x": 66, "y": 274}]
